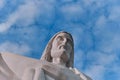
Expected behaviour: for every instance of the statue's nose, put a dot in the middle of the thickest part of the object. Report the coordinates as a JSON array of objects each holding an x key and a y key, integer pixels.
[{"x": 64, "y": 40}]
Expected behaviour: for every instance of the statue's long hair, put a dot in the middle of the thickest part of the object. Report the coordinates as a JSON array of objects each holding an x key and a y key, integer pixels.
[{"x": 47, "y": 52}]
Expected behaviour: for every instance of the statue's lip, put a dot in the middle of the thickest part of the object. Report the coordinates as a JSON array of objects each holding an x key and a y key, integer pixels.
[{"x": 62, "y": 47}]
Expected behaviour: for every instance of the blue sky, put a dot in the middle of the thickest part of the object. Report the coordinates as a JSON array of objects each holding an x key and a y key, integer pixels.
[{"x": 27, "y": 25}]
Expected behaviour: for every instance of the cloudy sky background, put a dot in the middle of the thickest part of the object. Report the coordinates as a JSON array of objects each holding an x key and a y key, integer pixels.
[{"x": 27, "y": 25}]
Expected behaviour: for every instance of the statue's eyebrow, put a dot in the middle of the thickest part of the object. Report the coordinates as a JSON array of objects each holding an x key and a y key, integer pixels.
[
  {"x": 66, "y": 37},
  {"x": 58, "y": 37},
  {"x": 69, "y": 40}
]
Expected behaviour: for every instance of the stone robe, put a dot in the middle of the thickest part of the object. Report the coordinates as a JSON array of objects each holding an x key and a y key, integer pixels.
[{"x": 16, "y": 67}]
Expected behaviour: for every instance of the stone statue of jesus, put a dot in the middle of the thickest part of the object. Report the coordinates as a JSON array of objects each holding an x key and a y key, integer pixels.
[{"x": 56, "y": 63}]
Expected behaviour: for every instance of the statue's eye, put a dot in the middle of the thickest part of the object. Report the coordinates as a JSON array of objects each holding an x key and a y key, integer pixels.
[{"x": 59, "y": 38}]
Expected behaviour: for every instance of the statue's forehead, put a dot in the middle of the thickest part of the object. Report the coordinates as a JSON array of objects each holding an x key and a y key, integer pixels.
[{"x": 64, "y": 35}]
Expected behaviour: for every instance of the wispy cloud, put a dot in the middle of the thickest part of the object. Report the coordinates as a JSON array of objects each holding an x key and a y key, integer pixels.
[
  {"x": 2, "y": 4},
  {"x": 78, "y": 56},
  {"x": 114, "y": 13},
  {"x": 96, "y": 72},
  {"x": 23, "y": 16},
  {"x": 71, "y": 12},
  {"x": 14, "y": 48}
]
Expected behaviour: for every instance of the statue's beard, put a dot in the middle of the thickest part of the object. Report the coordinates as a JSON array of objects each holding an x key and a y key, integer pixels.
[{"x": 60, "y": 54}]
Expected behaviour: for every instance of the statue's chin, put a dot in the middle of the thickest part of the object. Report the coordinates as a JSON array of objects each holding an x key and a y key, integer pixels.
[{"x": 60, "y": 54}]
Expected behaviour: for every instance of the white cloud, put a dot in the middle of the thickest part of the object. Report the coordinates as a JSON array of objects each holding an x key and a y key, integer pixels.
[
  {"x": 108, "y": 38},
  {"x": 14, "y": 48},
  {"x": 100, "y": 63},
  {"x": 72, "y": 12},
  {"x": 11, "y": 20},
  {"x": 115, "y": 13},
  {"x": 78, "y": 59},
  {"x": 99, "y": 58},
  {"x": 75, "y": 31},
  {"x": 2, "y": 3},
  {"x": 96, "y": 72},
  {"x": 46, "y": 12},
  {"x": 88, "y": 2},
  {"x": 116, "y": 70},
  {"x": 101, "y": 21},
  {"x": 24, "y": 16},
  {"x": 107, "y": 32},
  {"x": 112, "y": 45},
  {"x": 93, "y": 4}
]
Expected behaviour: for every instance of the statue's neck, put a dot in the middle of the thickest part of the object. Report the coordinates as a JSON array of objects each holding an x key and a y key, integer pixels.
[{"x": 59, "y": 62}]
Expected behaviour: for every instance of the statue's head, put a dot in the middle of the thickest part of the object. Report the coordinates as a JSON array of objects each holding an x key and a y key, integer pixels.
[{"x": 61, "y": 45}]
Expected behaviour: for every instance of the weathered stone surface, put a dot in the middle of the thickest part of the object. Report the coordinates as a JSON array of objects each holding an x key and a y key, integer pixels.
[{"x": 56, "y": 63}]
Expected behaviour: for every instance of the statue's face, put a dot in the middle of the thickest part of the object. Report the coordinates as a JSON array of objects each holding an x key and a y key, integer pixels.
[{"x": 62, "y": 45}]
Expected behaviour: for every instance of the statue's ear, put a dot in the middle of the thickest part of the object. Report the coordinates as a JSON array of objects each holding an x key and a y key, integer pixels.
[{"x": 17, "y": 63}]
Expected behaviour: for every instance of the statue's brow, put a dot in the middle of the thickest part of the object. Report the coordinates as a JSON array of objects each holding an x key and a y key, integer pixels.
[{"x": 65, "y": 37}]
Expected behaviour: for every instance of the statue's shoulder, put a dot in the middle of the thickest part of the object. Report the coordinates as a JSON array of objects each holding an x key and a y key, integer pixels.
[{"x": 17, "y": 63}]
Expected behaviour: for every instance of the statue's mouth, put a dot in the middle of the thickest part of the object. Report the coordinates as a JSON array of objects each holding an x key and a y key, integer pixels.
[{"x": 63, "y": 47}]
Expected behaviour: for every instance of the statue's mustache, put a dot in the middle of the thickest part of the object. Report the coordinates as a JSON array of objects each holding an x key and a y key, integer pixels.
[{"x": 63, "y": 47}]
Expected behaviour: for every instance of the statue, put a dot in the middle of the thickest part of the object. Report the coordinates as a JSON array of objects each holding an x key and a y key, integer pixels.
[{"x": 56, "y": 63}]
